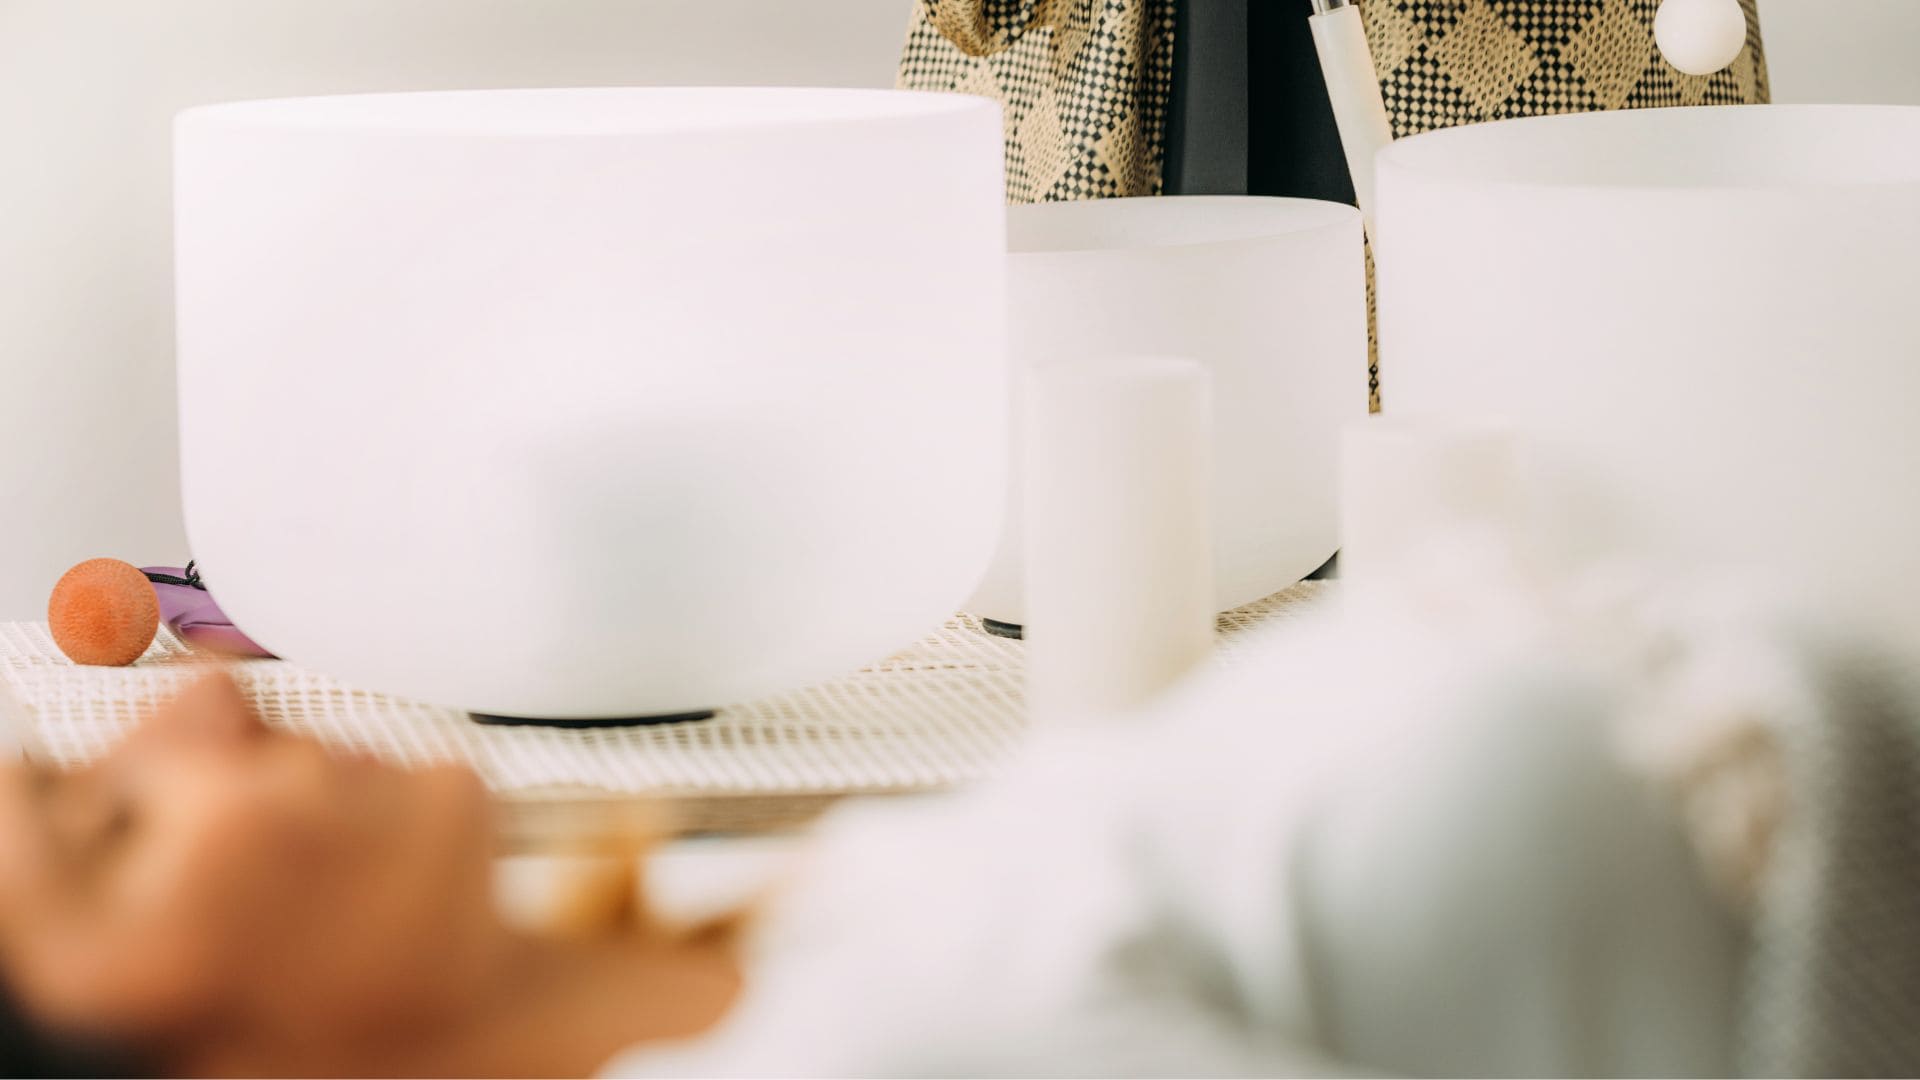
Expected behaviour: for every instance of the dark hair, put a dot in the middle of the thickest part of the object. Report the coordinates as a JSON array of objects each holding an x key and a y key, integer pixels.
[{"x": 28, "y": 1048}]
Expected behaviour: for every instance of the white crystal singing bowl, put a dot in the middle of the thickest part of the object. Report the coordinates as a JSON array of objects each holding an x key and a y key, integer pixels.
[
  {"x": 1269, "y": 294},
  {"x": 584, "y": 404},
  {"x": 1708, "y": 320}
]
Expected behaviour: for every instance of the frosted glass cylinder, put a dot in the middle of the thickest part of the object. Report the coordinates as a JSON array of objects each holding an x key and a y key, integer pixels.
[
  {"x": 1705, "y": 318},
  {"x": 1118, "y": 533},
  {"x": 598, "y": 403},
  {"x": 1269, "y": 295}
]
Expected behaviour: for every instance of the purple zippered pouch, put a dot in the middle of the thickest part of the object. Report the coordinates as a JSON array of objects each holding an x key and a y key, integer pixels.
[{"x": 190, "y": 612}]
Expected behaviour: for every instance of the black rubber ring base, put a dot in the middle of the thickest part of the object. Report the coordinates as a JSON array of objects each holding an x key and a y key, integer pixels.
[{"x": 594, "y": 722}]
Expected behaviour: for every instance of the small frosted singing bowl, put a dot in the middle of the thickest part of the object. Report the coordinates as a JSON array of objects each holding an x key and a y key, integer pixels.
[
  {"x": 1269, "y": 294},
  {"x": 1706, "y": 316},
  {"x": 591, "y": 404}
]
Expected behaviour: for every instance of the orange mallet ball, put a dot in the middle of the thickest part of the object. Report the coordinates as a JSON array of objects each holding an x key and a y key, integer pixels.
[{"x": 104, "y": 612}]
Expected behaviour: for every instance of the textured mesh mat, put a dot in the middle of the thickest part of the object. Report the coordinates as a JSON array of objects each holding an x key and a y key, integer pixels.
[{"x": 941, "y": 713}]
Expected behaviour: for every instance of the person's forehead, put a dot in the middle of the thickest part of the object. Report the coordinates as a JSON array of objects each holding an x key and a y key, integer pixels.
[
  {"x": 17, "y": 780},
  {"x": 20, "y": 785},
  {"x": 21, "y": 823}
]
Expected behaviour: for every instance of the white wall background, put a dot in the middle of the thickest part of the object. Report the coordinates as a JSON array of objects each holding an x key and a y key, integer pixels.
[
  {"x": 87, "y": 92},
  {"x": 1846, "y": 51},
  {"x": 87, "y": 88}
]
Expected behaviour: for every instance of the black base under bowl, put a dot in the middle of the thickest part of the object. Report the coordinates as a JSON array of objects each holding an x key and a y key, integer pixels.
[
  {"x": 594, "y": 722},
  {"x": 1003, "y": 629}
]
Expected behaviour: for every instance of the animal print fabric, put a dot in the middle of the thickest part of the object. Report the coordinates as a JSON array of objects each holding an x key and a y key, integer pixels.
[{"x": 1085, "y": 83}]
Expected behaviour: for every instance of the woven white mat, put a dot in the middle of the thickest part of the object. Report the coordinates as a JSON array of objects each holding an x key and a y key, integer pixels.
[{"x": 944, "y": 712}]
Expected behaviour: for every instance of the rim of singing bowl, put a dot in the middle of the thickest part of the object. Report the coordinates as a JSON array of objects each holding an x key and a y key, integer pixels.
[
  {"x": 584, "y": 111},
  {"x": 1164, "y": 223},
  {"x": 1720, "y": 148}
]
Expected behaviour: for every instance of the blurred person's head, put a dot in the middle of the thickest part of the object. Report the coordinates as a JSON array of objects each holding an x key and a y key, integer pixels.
[{"x": 213, "y": 896}]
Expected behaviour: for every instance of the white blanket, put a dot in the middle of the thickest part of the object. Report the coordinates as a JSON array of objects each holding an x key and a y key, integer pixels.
[{"x": 1324, "y": 862}]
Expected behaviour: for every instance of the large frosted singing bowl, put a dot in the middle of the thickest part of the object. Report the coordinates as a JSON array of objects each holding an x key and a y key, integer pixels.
[
  {"x": 1269, "y": 294},
  {"x": 591, "y": 404},
  {"x": 1710, "y": 318}
]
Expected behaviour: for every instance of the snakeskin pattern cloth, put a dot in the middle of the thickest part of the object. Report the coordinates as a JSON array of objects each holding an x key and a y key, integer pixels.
[
  {"x": 1449, "y": 62},
  {"x": 1085, "y": 83}
]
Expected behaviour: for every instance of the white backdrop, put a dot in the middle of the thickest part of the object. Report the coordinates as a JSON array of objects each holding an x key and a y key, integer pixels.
[
  {"x": 87, "y": 91},
  {"x": 1843, "y": 50},
  {"x": 87, "y": 88}
]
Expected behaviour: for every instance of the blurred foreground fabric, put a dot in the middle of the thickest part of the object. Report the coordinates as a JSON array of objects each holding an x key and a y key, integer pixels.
[{"x": 1578, "y": 833}]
